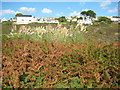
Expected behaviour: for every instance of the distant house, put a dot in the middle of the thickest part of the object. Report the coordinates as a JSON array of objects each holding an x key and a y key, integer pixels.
[
  {"x": 68, "y": 19},
  {"x": 25, "y": 19},
  {"x": 74, "y": 19},
  {"x": 48, "y": 20},
  {"x": 3, "y": 20},
  {"x": 81, "y": 21},
  {"x": 51, "y": 21},
  {"x": 114, "y": 18},
  {"x": 85, "y": 20}
]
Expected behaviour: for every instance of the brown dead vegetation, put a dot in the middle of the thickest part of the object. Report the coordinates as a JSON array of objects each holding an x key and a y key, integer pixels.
[{"x": 58, "y": 63}]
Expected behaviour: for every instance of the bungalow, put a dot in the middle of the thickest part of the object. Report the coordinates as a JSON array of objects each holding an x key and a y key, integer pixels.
[
  {"x": 25, "y": 19},
  {"x": 71, "y": 19},
  {"x": 51, "y": 21},
  {"x": 2, "y": 20},
  {"x": 114, "y": 18},
  {"x": 48, "y": 20},
  {"x": 86, "y": 20}
]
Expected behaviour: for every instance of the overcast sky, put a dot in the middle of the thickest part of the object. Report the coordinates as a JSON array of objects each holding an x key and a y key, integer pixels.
[{"x": 57, "y": 9}]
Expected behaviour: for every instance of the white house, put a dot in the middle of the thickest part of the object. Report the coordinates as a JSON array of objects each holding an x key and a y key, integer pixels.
[
  {"x": 25, "y": 19},
  {"x": 81, "y": 21},
  {"x": 85, "y": 21},
  {"x": 71, "y": 19},
  {"x": 114, "y": 18},
  {"x": 51, "y": 21},
  {"x": 2, "y": 20},
  {"x": 48, "y": 20}
]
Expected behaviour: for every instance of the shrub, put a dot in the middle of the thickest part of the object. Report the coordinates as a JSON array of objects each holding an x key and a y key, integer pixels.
[{"x": 104, "y": 19}]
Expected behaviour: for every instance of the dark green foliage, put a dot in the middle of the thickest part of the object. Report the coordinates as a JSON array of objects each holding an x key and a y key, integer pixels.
[
  {"x": 19, "y": 14},
  {"x": 62, "y": 19},
  {"x": 89, "y": 13},
  {"x": 104, "y": 19},
  {"x": 84, "y": 13}
]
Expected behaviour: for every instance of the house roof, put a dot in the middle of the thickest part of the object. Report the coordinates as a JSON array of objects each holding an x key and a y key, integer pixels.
[
  {"x": 23, "y": 15},
  {"x": 116, "y": 16}
]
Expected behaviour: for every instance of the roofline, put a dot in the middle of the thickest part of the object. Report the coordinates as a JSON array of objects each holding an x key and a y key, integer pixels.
[{"x": 23, "y": 15}]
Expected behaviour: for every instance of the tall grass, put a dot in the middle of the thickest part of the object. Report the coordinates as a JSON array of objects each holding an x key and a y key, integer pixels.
[
  {"x": 100, "y": 32},
  {"x": 51, "y": 34}
]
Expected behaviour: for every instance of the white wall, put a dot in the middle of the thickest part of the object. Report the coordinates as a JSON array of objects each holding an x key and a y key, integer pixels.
[
  {"x": 25, "y": 20},
  {"x": 85, "y": 21},
  {"x": 114, "y": 19},
  {"x": 4, "y": 19}
]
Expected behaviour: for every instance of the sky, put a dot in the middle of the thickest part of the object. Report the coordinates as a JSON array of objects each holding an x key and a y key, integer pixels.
[{"x": 57, "y": 9}]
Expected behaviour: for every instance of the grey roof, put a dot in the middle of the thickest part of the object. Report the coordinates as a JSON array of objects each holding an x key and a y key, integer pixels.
[
  {"x": 116, "y": 16},
  {"x": 23, "y": 15}
]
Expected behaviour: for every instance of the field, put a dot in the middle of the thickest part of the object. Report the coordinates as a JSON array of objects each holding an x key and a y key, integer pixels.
[{"x": 59, "y": 57}]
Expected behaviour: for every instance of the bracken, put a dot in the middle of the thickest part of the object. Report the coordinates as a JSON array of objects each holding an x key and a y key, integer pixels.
[{"x": 35, "y": 64}]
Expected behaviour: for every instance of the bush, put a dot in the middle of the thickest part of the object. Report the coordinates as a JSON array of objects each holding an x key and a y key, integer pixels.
[
  {"x": 6, "y": 27},
  {"x": 62, "y": 19},
  {"x": 104, "y": 19},
  {"x": 7, "y": 23}
]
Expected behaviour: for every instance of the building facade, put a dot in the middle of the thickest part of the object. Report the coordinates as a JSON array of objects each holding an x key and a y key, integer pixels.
[
  {"x": 3, "y": 20},
  {"x": 25, "y": 19}
]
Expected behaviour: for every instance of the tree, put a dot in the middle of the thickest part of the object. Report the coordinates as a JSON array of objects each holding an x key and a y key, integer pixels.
[
  {"x": 62, "y": 19},
  {"x": 83, "y": 13},
  {"x": 91, "y": 13},
  {"x": 19, "y": 14}
]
